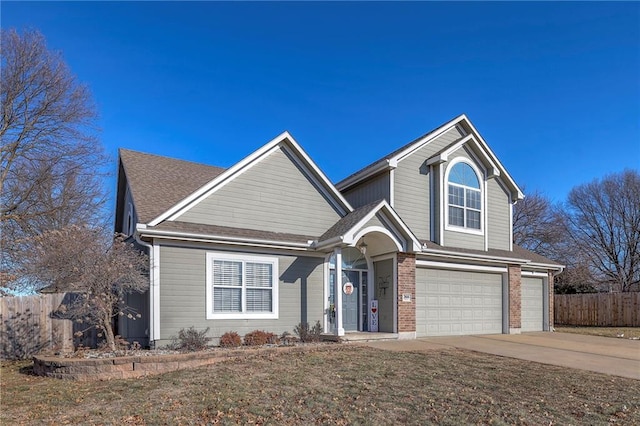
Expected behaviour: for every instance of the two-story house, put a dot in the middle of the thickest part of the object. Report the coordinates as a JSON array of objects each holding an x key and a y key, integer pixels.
[{"x": 419, "y": 243}]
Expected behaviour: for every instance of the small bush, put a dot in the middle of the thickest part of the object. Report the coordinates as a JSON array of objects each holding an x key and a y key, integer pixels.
[
  {"x": 191, "y": 340},
  {"x": 302, "y": 330},
  {"x": 259, "y": 338},
  {"x": 309, "y": 334},
  {"x": 287, "y": 339},
  {"x": 230, "y": 339}
]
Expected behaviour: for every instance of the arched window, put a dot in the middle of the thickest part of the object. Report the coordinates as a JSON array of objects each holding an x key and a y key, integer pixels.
[{"x": 465, "y": 200}]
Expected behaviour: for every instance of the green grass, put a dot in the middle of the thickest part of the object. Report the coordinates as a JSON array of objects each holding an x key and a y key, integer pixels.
[{"x": 331, "y": 385}]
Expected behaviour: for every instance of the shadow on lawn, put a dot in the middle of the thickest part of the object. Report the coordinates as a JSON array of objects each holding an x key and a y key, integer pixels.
[{"x": 27, "y": 370}]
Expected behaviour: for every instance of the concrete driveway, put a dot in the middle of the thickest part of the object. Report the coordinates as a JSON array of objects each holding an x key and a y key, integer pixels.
[{"x": 618, "y": 357}]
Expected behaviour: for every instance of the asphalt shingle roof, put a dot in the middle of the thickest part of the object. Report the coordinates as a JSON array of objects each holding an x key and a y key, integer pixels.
[
  {"x": 390, "y": 155},
  {"x": 157, "y": 183},
  {"x": 226, "y": 231},
  {"x": 348, "y": 222},
  {"x": 517, "y": 253}
]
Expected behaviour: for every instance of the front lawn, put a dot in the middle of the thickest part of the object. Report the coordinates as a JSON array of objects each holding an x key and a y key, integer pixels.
[
  {"x": 335, "y": 384},
  {"x": 618, "y": 332}
]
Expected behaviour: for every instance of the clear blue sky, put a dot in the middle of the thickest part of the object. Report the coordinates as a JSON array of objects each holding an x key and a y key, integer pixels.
[{"x": 554, "y": 88}]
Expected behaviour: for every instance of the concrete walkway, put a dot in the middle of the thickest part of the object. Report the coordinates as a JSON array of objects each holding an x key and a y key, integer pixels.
[{"x": 618, "y": 357}]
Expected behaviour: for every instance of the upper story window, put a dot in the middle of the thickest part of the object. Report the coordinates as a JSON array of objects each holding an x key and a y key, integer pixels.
[{"x": 465, "y": 197}]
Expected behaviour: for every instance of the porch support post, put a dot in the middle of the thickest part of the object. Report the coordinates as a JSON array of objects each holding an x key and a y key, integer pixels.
[{"x": 337, "y": 292}]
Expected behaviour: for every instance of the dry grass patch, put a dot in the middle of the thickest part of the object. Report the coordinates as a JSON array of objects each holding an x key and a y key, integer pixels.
[
  {"x": 618, "y": 332},
  {"x": 337, "y": 385}
]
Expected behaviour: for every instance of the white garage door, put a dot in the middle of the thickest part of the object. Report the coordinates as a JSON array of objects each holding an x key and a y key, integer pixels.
[
  {"x": 457, "y": 303},
  {"x": 532, "y": 304}
]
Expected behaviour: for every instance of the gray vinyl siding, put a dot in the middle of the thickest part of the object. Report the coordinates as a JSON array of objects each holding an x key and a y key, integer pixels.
[
  {"x": 183, "y": 287},
  {"x": 435, "y": 207},
  {"x": 463, "y": 152},
  {"x": 136, "y": 329},
  {"x": 384, "y": 272},
  {"x": 374, "y": 221},
  {"x": 499, "y": 213},
  {"x": 412, "y": 185},
  {"x": 463, "y": 240},
  {"x": 376, "y": 188},
  {"x": 272, "y": 195}
]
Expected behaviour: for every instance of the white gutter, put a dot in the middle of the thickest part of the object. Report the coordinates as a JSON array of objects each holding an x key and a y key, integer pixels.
[
  {"x": 469, "y": 256},
  {"x": 329, "y": 242},
  {"x": 448, "y": 265},
  {"x": 545, "y": 266},
  {"x": 187, "y": 236},
  {"x": 479, "y": 257}
]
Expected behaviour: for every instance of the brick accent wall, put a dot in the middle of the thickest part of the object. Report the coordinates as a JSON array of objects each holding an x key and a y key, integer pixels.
[
  {"x": 406, "y": 284},
  {"x": 515, "y": 297}
]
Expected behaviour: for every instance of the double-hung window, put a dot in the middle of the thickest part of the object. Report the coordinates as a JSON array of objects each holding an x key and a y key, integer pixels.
[
  {"x": 241, "y": 286},
  {"x": 465, "y": 197}
]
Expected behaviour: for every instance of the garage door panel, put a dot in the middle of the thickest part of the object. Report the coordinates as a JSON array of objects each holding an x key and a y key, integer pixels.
[
  {"x": 458, "y": 302},
  {"x": 532, "y": 291}
]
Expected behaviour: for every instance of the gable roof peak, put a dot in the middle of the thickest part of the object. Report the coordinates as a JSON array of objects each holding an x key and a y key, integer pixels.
[
  {"x": 284, "y": 140},
  {"x": 462, "y": 122},
  {"x": 390, "y": 161}
]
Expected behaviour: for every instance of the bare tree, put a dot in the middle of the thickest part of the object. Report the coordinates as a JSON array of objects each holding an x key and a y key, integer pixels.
[
  {"x": 100, "y": 269},
  {"x": 603, "y": 218},
  {"x": 50, "y": 158},
  {"x": 541, "y": 226},
  {"x": 537, "y": 226}
]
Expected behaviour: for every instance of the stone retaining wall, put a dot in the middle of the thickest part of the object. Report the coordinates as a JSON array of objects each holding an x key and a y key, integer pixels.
[{"x": 84, "y": 369}]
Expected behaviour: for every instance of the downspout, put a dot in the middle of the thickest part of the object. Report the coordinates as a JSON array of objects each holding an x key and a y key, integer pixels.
[
  {"x": 152, "y": 287},
  {"x": 552, "y": 295}
]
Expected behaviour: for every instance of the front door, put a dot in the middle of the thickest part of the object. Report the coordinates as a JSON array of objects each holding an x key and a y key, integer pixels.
[
  {"x": 350, "y": 301},
  {"x": 354, "y": 291}
]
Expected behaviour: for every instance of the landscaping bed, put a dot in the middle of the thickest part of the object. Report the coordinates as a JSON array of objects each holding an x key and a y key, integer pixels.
[
  {"x": 189, "y": 349},
  {"x": 107, "y": 365}
]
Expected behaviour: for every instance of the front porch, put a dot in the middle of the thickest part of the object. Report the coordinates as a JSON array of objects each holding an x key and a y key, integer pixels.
[{"x": 363, "y": 279}]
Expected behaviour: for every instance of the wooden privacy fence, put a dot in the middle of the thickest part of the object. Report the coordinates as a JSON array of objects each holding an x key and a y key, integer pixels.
[
  {"x": 598, "y": 309},
  {"x": 29, "y": 325}
]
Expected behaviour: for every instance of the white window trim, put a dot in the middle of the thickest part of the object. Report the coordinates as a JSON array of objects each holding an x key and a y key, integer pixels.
[
  {"x": 445, "y": 196},
  {"x": 211, "y": 256}
]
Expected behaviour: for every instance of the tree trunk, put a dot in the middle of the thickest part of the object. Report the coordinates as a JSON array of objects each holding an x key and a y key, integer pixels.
[{"x": 108, "y": 331}]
